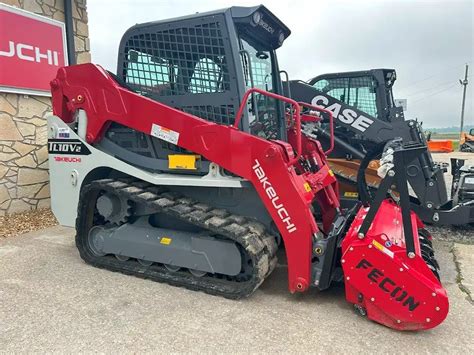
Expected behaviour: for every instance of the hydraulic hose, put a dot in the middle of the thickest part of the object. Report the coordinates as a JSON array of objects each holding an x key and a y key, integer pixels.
[{"x": 376, "y": 153}]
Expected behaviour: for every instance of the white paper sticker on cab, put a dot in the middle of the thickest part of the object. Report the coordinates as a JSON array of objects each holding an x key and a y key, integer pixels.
[{"x": 164, "y": 133}]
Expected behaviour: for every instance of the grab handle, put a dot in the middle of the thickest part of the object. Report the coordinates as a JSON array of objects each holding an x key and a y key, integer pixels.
[{"x": 293, "y": 103}]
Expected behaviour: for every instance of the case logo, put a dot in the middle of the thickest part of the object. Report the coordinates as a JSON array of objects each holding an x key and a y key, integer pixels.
[{"x": 347, "y": 116}]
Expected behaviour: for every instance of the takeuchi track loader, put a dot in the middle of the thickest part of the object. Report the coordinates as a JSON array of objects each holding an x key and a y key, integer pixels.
[{"x": 189, "y": 167}]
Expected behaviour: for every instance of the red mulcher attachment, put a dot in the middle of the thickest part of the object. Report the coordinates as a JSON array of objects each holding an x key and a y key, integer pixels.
[{"x": 387, "y": 257}]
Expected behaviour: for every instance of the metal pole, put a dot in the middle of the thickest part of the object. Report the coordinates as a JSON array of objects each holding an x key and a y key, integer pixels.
[
  {"x": 71, "y": 50},
  {"x": 463, "y": 83}
]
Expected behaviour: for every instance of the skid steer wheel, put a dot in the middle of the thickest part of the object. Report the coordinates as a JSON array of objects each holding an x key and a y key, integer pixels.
[{"x": 365, "y": 195}]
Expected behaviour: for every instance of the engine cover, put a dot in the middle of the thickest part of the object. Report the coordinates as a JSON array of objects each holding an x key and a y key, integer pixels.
[{"x": 381, "y": 280}]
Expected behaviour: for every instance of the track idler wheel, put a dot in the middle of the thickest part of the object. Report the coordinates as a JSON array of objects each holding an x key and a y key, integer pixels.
[
  {"x": 197, "y": 273},
  {"x": 171, "y": 268}
]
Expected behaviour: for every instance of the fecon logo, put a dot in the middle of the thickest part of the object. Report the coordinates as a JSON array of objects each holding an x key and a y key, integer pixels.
[
  {"x": 386, "y": 284},
  {"x": 347, "y": 116},
  {"x": 31, "y": 54},
  {"x": 272, "y": 195}
]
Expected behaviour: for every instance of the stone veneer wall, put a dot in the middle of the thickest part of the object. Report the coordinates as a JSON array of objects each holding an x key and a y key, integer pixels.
[{"x": 23, "y": 153}]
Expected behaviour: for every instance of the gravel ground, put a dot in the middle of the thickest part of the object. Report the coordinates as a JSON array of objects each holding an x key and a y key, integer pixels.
[
  {"x": 461, "y": 234},
  {"x": 19, "y": 223}
]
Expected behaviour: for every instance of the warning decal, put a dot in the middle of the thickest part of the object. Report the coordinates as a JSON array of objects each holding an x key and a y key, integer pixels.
[
  {"x": 164, "y": 133},
  {"x": 382, "y": 248}
]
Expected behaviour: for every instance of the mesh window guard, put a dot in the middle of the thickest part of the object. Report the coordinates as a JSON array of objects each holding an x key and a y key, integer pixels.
[
  {"x": 358, "y": 92},
  {"x": 185, "y": 61}
]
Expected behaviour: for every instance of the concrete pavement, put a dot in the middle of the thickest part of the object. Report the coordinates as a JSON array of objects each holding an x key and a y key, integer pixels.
[{"x": 50, "y": 300}]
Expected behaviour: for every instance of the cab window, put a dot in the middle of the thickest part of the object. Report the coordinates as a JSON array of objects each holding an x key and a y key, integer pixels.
[
  {"x": 148, "y": 74},
  {"x": 358, "y": 92}
]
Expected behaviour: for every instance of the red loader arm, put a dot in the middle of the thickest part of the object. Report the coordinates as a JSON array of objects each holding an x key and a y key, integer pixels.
[{"x": 267, "y": 164}]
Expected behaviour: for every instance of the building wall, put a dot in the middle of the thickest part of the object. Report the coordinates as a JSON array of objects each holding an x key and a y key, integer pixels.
[{"x": 24, "y": 175}]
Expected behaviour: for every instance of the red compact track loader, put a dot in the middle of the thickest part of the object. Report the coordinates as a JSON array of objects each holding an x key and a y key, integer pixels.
[{"x": 189, "y": 167}]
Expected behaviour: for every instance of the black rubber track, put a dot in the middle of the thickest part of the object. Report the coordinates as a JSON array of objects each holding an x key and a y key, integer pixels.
[{"x": 258, "y": 245}]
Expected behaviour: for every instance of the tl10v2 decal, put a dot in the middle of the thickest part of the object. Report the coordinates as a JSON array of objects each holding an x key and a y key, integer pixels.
[{"x": 67, "y": 146}]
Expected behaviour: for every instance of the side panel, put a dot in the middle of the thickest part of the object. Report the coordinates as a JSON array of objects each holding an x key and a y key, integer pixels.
[{"x": 71, "y": 160}]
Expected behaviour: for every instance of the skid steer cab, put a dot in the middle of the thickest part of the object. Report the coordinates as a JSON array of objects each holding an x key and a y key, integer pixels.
[{"x": 189, "y": 167}]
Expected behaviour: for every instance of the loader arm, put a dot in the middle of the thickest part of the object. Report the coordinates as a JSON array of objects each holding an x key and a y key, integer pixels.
[{"x": 267, "y": 164}]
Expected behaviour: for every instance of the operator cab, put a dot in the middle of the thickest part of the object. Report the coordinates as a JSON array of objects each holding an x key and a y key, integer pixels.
[
  {"x": 203, "y": 64},
  {"x": 370, "y": 91}
]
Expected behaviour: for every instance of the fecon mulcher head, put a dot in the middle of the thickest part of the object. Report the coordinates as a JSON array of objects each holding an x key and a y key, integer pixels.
[{"x": 190, "y": 168}]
